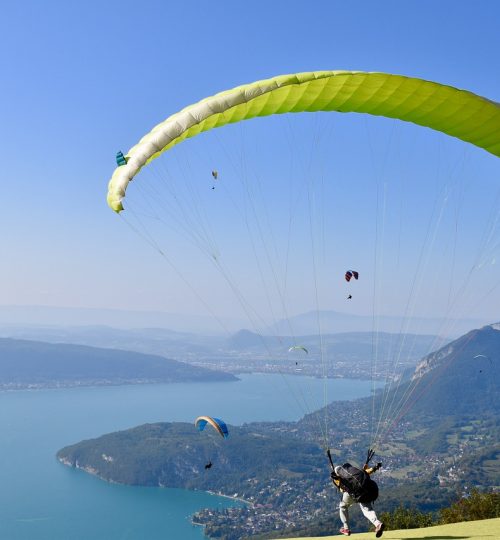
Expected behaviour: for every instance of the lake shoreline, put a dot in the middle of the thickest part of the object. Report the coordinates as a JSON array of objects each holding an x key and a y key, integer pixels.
[
  {"x": 36, "y": 423},
  {"x": 93, "y": 472}
]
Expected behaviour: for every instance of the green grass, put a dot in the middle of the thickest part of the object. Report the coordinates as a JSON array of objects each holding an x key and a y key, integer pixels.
[
  {"x": 413, "y": 434},
  {"x": 486, "y": 529}
]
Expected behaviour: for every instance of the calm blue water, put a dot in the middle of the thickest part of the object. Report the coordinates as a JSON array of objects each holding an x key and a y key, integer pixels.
[{"x": 41, "y": 499}]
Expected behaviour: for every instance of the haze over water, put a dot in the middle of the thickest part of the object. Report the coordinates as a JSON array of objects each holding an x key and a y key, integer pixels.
[{"x": 40, "y": 498}]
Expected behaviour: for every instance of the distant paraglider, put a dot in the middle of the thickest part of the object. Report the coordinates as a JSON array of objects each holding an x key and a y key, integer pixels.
[
  {"x": 299, "y": 348},
  {"x": 218, "y": 424},
  {"x": 215, "y": 175},
  {"x": 351, "y": 274},
  {"x": 482, "y": 356},
  {"x": 220, "y": 428}
]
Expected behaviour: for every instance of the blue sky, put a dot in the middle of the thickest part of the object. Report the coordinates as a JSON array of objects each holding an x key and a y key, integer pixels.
[{"x": 80, "y": 81}]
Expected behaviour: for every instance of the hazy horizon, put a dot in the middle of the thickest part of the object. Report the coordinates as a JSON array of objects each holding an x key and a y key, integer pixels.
[{"x": 67, "y": 317}]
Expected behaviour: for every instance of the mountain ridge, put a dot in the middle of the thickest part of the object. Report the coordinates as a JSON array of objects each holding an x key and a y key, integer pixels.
[
  {"x": 25, "y": 363},
  {"x": 302, "y": 323}
]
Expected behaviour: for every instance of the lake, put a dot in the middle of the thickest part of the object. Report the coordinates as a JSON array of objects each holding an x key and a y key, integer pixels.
[{"x": 41, "y": 499}]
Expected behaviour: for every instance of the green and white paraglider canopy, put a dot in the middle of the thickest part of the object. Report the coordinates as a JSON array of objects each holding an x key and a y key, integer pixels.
[{"x": 456, "y": 112}]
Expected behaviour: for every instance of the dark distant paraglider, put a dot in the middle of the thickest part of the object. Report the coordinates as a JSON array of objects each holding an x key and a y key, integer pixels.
[
  {"x": 351, "y": 274},
  {"x": 215, "y": 175}
]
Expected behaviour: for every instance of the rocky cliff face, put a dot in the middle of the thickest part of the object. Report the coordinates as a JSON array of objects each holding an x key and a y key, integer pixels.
[
  {"x": 461, "y": 377},
  {"x": 430, "y": 361},
  {"x": 484, "y": 341}
]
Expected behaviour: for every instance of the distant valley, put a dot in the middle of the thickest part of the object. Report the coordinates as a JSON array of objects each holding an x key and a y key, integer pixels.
[{"x": 346, "y": 355}]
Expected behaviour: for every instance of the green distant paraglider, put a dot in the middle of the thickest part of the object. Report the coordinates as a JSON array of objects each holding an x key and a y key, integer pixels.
[{"x": 298, "y": 348}]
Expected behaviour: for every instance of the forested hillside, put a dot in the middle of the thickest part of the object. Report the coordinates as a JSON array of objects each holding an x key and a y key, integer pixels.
[{"x": 36, "y": 364}]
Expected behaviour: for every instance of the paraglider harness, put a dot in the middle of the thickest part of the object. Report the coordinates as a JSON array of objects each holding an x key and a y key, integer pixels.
[{"x": 356, "y": 482}]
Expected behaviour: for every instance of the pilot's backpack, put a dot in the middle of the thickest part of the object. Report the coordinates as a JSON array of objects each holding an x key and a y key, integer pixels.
[{"x": 357, "y": 483}]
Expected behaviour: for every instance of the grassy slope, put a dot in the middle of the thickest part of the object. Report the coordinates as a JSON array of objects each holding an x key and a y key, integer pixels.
[{"x": 487, "y": 529}]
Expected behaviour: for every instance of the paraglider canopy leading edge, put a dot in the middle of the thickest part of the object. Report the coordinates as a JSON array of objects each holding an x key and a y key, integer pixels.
[{"x": 455, "y": 112}]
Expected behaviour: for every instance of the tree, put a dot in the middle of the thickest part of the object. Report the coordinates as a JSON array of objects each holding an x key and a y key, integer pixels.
[
  {"x": 406, "y": 518},
  {"x": 477, "y": 505}
]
